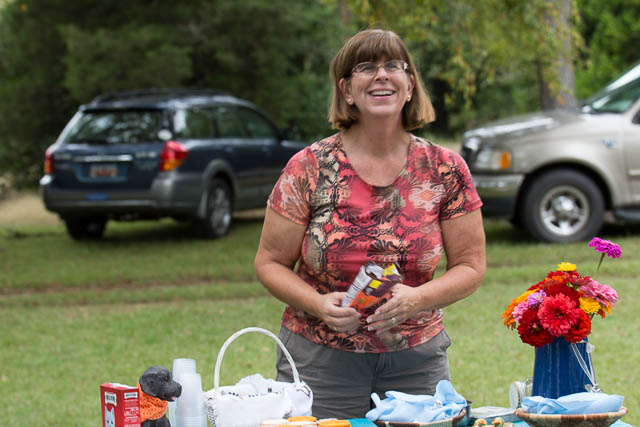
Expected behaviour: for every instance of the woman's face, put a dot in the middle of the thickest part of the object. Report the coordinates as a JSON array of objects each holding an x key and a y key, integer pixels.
[{"x": 380, "y": 93}]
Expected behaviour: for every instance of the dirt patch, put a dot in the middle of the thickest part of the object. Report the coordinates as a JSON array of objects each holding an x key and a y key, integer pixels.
[{"x": 25, "y": 208}]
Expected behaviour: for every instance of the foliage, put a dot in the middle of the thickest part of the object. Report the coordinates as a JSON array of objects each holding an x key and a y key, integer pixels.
[
  {"x": 612, "y": 34},
  {"x": 123, "y": 58},
  {"x": 480, "y": 59},
  {"x": 34, "y": 104},
  {"x": 55, "y": 55},
  {"x": 274, "y": 53}
]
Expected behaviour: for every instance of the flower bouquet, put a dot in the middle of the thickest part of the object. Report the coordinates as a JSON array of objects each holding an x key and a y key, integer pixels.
[
  {"x": 563, "y": 303},
  {"x": 554, "y": 316}
]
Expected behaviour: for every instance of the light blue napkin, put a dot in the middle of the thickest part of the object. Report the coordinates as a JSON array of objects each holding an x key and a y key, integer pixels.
[
  {"x": 577, "y": 403},
  {"x": 411, "y": 408}
]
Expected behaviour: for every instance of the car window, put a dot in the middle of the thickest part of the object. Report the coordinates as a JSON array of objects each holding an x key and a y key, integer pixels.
[
  {"x": 618, "y": 100},
  {"x": 229, "y": 123},
  {"x": 257, "y": 126},
  {"x": 116, "y": 127},
  {"x": 198, "y": 124}
]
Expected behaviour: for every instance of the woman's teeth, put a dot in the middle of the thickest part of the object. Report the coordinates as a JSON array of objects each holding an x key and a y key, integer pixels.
[{"x": 382, "y": 92}]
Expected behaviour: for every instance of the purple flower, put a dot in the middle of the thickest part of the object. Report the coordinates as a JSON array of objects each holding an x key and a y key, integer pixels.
[
  {"x": 606, "y": 247},
  {"x": 536, "y": 298}
]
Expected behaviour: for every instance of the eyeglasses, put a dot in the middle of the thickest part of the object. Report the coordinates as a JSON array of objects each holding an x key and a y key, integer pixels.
[{"x": 394, "y": 66}]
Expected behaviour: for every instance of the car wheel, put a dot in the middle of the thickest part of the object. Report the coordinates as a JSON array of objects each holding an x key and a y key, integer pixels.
[
  {"x": 563, "y": 206},
  {"x": 85, "y": 228},
  {"x": 217, "y": 220}
]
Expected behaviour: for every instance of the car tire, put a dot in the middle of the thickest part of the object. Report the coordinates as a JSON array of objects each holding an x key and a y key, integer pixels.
[
  {"x": 562, "y": 206},
  {"x": 85, "y": 228},
  {"x": 217, "y": 220}
]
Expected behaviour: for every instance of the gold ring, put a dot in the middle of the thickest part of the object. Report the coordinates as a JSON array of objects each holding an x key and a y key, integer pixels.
[{"x": 393, "y": 320}]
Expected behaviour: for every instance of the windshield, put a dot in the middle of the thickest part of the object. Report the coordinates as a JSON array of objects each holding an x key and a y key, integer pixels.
[
  {"x": 618, "y": 96},
  {"x": 116, "y": 127}
]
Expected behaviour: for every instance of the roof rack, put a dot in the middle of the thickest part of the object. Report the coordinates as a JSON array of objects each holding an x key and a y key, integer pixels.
[{"x": 114, "y": 96}]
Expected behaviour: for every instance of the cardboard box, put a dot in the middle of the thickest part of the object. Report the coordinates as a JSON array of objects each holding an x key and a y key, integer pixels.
[{"x": 120, "y": 405}]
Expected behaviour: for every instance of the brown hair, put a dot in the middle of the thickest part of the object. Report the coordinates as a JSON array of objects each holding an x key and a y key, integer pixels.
[{"x": 373, "y": 45}]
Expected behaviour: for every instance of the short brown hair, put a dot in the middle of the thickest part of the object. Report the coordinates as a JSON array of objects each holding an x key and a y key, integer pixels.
[{"x": 373, "y": 45}]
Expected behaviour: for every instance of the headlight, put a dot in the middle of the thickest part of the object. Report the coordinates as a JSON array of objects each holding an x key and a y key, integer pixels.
[
  {"x": 471, "y": 143},
  {"x": 493, "y": 159}
]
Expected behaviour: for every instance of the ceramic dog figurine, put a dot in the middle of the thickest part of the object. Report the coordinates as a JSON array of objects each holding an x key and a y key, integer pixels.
[{"x": 157, "y": 388}]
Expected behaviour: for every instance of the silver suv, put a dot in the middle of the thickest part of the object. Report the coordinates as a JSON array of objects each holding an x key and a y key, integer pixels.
[{"x": 556, "y": 173}]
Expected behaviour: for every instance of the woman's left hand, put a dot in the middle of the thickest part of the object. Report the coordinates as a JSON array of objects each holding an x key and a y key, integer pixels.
[{"x": 402, "y": 305}]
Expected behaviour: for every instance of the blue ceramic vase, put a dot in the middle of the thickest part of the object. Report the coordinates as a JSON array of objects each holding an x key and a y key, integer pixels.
[{"x": 557, "y": 371}]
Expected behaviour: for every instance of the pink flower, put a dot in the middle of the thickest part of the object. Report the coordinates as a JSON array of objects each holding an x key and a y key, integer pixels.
[
  {"x": 558, "y": 314},
  {"x": 519, "y": 310},
  {"x": 606, "y": 247},
  {"x": 604, "y": 294}
]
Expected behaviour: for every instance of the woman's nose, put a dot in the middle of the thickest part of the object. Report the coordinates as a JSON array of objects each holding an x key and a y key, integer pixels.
[{"x": 381, "y": 73}]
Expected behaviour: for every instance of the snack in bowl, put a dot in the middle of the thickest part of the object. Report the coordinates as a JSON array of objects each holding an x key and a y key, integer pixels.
[{"x": 497, "y": 422}]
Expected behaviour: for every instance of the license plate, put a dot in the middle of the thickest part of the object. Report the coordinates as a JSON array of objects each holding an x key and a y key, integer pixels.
[{"x": 106, "y": 170}]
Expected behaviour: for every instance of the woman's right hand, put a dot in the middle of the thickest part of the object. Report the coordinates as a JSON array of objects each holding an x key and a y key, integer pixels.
[{"x": 339, "y": 319}]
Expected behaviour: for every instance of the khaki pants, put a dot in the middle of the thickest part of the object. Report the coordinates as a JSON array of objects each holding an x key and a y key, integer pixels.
[{"x": 342, "y": 381}]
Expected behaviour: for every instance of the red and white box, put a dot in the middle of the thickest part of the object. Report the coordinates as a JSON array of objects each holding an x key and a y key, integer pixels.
[{"x": 120, "y": 405}]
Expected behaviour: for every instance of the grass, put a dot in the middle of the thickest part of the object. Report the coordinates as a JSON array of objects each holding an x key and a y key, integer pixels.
[{"x": 76, "y": 314}]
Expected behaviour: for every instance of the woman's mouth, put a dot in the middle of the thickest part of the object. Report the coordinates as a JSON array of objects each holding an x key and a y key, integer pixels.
[{"x": 379, "y": 93}]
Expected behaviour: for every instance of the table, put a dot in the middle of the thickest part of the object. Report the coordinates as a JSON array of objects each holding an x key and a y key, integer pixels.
[{"x": 363, "y": 422}]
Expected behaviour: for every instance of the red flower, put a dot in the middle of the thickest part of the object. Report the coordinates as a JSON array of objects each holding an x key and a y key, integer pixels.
[
  {"x": 556, "y": 277},
  {"x": 558, "y": 314},
  {"x": 581, "y": 281},
  {"x": 531, "y": 331},
  {"x": 581, "y": 329},
  {"x": 557, "y": 289}
]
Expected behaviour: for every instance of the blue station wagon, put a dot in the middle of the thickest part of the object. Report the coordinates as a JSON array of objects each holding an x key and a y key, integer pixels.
[{"x": 189, "y": 154}]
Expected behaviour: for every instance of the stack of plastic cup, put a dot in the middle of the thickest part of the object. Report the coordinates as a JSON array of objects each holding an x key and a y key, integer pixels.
[
  {"x": 180, "y": 367},
  {"x": 189, "y": 406}
]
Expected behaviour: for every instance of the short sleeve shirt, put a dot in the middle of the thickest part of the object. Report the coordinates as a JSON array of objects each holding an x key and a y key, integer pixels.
[{"x": 350, "y": 222}]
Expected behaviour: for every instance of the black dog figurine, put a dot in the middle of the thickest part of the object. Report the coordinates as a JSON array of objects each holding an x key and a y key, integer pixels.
[{"x": 157, "y": 387}]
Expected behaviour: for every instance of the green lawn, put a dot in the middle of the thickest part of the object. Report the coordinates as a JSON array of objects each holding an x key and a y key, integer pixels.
[{"x": 76, "y": 314}]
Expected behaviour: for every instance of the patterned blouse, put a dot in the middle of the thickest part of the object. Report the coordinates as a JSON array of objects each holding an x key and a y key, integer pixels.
[{"x": 350, "y": 222}]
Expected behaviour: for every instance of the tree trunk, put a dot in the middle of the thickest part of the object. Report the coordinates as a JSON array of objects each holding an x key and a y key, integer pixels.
[{"x": 556, "y": 76}]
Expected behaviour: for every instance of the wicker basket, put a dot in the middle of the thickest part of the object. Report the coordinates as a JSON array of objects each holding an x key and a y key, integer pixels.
[
  {"x": 571, "y": 420},
  {"x": 449, "y": 422}
]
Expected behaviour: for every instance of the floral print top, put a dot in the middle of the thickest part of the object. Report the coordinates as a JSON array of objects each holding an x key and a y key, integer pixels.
[{"x": 350, "y": 222}]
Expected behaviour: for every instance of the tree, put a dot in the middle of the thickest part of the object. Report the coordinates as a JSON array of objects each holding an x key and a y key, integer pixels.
[
  {"x": 555, "y": 72},
  {"x": 275, "y": 53},
  {"x": 123, "y": 58},
  {"x": 611, "y": 31},
  {"x": 474, "y": 51},
  {"x": 32, "y": 107},
  {"x": 56, "y": 54}
]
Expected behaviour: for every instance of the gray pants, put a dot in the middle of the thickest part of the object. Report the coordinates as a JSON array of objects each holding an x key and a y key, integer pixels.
[{"x": 342, "y": 381}]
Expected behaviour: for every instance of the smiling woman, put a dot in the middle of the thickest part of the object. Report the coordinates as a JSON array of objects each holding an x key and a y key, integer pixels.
[{"x": 371, "y": 193}]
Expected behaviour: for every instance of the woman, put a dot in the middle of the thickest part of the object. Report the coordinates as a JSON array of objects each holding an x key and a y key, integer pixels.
[{"x": 371, "y": 192}]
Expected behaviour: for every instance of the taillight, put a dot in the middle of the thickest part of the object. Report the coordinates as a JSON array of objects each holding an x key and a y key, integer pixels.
[
  {"x": 48, "y": 160},
  {"x": 173, "y": 154}
]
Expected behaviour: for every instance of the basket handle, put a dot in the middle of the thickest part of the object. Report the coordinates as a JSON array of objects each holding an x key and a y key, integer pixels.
[{"x": 216, "y": 378}]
